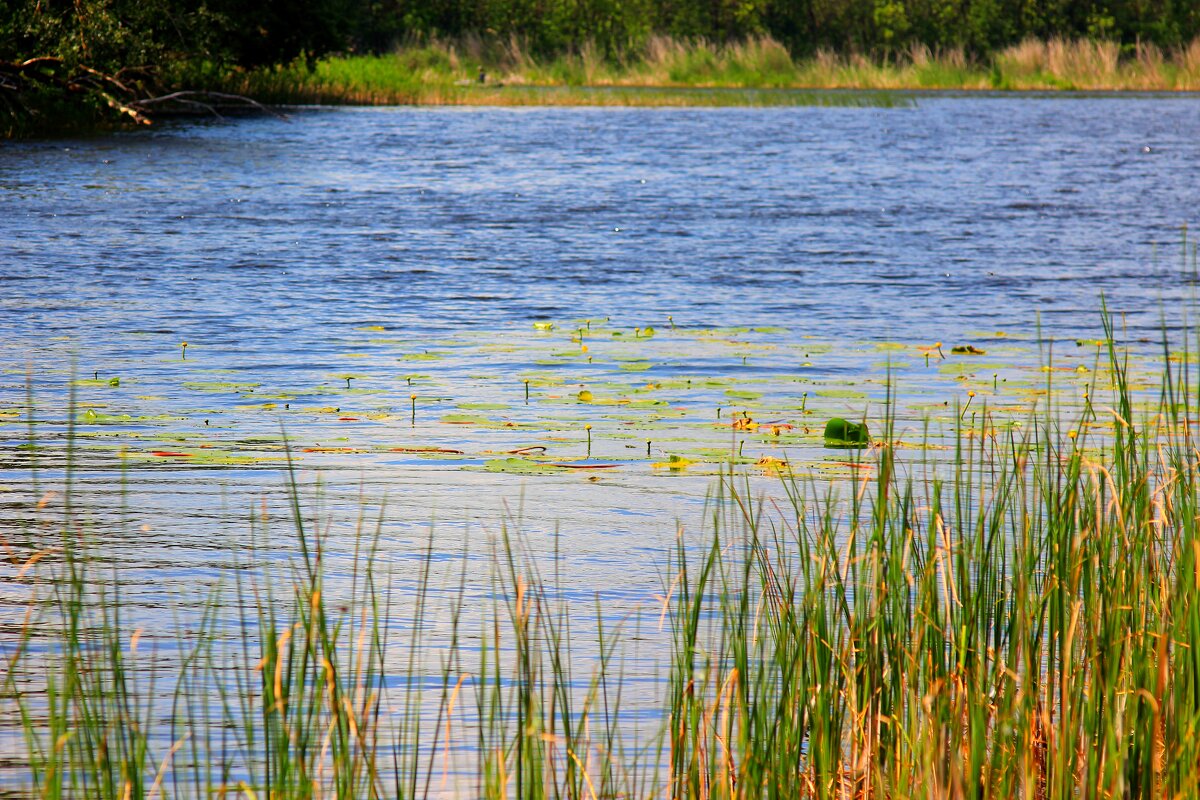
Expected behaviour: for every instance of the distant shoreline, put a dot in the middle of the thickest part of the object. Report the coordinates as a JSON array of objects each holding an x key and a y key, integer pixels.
[
  {"x": 752, "y": 73},
  {"x": 667, "y": 73},
  {"x": 691, "y": 97}
]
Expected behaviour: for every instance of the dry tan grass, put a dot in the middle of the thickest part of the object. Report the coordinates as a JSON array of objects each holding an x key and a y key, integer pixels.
[
  {"x": 663, "y": 50},
  {"x": 764, "y": 62},
  {"x": 761, "y": 50},
  {"x": 1188, "y": 58},
  {"x": 1098, "y": 65},
  {"x": 446, "y": 71}
]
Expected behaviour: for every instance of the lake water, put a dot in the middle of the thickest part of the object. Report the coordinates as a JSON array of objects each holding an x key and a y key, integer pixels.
[{"x": 325, "y": 268}]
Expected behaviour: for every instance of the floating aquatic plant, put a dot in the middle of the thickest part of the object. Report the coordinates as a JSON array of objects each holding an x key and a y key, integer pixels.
[{"x": 841, "y": 433}]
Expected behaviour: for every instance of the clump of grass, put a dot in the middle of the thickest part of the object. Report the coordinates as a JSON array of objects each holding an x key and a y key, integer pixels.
[
  {"x": 1023, "y": 625},
  {"x": 1021, "y": 618},
  {"x": 1095, "y": 65},
  {"x": 280, "y": 685}
]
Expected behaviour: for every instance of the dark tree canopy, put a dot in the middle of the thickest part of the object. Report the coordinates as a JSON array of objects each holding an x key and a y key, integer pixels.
[
  {"x": 109, "y": 34},
  {"x": 803, "y": 25}
]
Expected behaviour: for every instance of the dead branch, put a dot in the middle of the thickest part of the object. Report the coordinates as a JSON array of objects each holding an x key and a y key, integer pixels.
[
  {"x": 117, "y": 105},
  {"x": 188, "y": 96},
  {"x": 106, "y": 78},
  {"x": 130, "y": 92},
  {"x": 40, "y": 61}
]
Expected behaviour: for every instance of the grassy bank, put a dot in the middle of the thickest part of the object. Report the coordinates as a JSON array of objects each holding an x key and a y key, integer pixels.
[
  {"x": 665, "y": 72},
  {"x": 1017, "y": 617},
  {"x": 672, "y": 72}
]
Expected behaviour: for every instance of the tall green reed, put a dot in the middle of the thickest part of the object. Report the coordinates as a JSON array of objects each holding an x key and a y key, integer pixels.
[{"x": 1018, "y": 621}]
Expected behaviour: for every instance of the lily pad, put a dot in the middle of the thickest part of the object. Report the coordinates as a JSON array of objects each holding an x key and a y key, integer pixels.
[
  {"x": 842, "y": 433},
  {"x": 219, "y": 386},
  {"x": 675, "y": 463},
  {"x": 93, "y": 417},
  {"x": 520, "y": 466},
  {"x": 841, "y": 394}
]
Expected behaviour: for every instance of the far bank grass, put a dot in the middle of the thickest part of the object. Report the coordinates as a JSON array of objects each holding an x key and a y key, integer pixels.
[{"x": 670, "y": 72}]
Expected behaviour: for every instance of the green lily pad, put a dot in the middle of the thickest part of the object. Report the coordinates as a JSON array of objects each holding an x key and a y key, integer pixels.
[
  {"x": 466, "y": 419},
  {"x": 97, "y": 382},
  {"x": 520, "y": 466},
  {"x": 674, "y": 463},
  {"x": 219, "y": 386},
  {"x": 841, "y": 394},
  {"x": 94, "y": 417},
  {"x": 842, "y": 433}
]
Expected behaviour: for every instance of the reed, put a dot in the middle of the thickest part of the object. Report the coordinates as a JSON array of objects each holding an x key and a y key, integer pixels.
[
  {"x": 1019, "y": 618},
  {"x": 670, "y": 71}
]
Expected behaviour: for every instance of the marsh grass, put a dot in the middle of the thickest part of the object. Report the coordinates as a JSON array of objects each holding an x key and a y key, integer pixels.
[
  {"x": 1019, "y": 618},
  {"x": 387, "y": 80},
  {"x": 676, "y": 72}
]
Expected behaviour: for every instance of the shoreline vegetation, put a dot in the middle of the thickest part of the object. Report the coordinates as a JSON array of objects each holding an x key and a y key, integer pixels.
[
  {"x": 97, "y": 64},
  {"x": 670, "y": 72},
  {"x": 1021, "y": 620},
  {"x": 51, "y": 96}
]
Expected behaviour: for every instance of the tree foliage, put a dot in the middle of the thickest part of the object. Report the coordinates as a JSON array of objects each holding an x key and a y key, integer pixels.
[
  {"x": 871, "y": 26},
  {"x": 111, "y": 34}
]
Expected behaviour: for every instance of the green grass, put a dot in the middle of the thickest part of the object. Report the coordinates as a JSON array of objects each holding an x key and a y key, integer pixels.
[
  {"x": 674, "y": 72},
  {"x": 1018, "y": 619}
]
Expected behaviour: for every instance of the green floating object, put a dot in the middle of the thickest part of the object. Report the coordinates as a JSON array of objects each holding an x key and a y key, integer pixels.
[
  {"x": 520, "y": 466},
  {"x": 843, "y": 433},
  {"x": 92, "y": 417}
]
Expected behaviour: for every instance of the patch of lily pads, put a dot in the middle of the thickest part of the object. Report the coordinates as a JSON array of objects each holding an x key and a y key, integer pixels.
[{"x": 582, "y": 397}]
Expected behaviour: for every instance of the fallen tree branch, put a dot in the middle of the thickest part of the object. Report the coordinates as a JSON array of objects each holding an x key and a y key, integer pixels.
[
  {"x": 133, "y": 93},
  {"x": 106, "y": 78},
  {"x": 187, "y": 96},
  {"x": 116, "y": 104},
  {"x": 40, "y": 61}
]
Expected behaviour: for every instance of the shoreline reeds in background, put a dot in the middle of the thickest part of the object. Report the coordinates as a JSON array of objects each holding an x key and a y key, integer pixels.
[{"x": 677, "y": 72}]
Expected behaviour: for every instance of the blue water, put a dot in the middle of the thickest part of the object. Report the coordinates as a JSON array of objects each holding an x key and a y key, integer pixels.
[
  {"x": 272, "y": 244},
  {"x": 343, "y": 242},
  {"x": 955, "y": 215}
]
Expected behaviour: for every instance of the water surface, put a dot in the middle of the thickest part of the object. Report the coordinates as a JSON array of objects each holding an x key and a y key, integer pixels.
[{"x": 412, "y": 249}]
